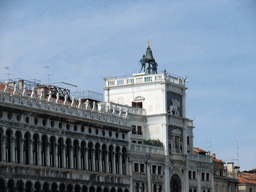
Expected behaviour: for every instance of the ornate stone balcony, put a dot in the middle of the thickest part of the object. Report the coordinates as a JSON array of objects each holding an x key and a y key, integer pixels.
[
  {"x": 144, "y": 78},
  {"x": 147, "y": 149}
]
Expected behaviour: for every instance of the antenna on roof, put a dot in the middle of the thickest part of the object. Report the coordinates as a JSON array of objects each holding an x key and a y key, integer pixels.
[
  {"x": 237, "y": 153},
  {"x": 210, "y": 146},
  {"x": 8, "y": 74},
  {"x": 47, "y": 67}
]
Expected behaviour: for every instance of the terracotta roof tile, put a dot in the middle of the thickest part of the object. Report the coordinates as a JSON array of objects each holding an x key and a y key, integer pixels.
[
  {"x": 196, "y": 149},
  {"x": 247, "y": 178}
]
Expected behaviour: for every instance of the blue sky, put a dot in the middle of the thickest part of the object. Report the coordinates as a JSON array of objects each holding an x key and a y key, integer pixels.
[{"x": 213, "y": 42}]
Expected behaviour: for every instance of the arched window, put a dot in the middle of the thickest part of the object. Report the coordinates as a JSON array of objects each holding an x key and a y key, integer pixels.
[
  {"x": 54, "y": 187},
  {"x": 154, "y": 188},
  {"x": 110, "y": 158},
  {"x": 137, "y": 188},
  {"x": 84, "y": 189},
  {"x": 37, "y": 187},
  {"x": 46, "y": 187},
  {"x": 60, "y": 153},
  {"x": 69, "y": 188},
  {"x": 77, "y": 188},
  {"x": 90, "y": 154},
  {"x": 8, "y": 145},
  {"x": 28, "y": 187},
  {"x": 68, "y": 148},
  {"x": 97, "y": 153},
  {"x": 10, "y": 186},
  {"x": 44, "y": 150},
  {"x": 142, "y": 187},
  {"x": 104, "y": 155},
  {"x": 76, "y": 155},
  {"x": 52, "y": 151},
  {"x": 17, "y": 147},
  {"x": 2, "y": 185},
  {"x": 124, "y": 156},
  {"x": 117, "y": 160},
  {"x": 20, "y": 186},
  {"x": 62, "y": 187},
  {"x": 160, "y": 188},
  {"x": 35, "y": 149},
  {"x": 27, "y": 146},
  {"x": 83, "y": 158}
]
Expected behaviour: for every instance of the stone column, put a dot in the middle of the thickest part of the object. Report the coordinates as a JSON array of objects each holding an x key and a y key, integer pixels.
[
  {"x": 114, "y": 162},
  {"x": 185, "y": 146},
  {"x": 63, "y": 148},
  {"x": 100, "y": 160},
  {"x": 199, "y": 180},
  {"x": 12, "y": 149},
  {"x": 183, "y": 103},
  {"x": 86, "y": 158},
  {"x": 30, "y": 151},
  {"x": 126, "y": 164},
  {"x": 120, "y": 163},
  {"x": 71, "y": 157},
  {"x": 3, "y": 145},
  {"x": 149, "y": 176},
  {"x": 78, "y": 156},
  {"x": 55, "y": 153},
  {"x": 107, "y": 161},
  {"x": 39, "y": 151},
  {"x": 47, "y": 153},
  {"x": 93, "y": 159},
  {"x": 22, "y": 147}
]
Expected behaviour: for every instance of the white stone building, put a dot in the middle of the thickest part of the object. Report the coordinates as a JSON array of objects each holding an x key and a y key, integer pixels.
[{"x": 52, "y": 144}]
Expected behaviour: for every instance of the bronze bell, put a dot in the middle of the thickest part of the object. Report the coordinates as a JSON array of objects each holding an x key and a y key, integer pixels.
[{"x": 149, "y": 55}]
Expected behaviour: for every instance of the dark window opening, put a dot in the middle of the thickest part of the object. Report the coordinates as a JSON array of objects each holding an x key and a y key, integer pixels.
[
  {"x": 139, "y": 130},
  {"x": 137, "y": 104},
  {"x": 159, "y": 170},
  {"x": 133, "y": 129},
  {"x": 154, "y": 169},
  {"x": 136, "y": 167},
  {"x": 142, "y": 168}
]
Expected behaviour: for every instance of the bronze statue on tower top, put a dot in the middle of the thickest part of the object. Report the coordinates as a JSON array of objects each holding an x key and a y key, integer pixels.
[{"x": 152, "y": 65}]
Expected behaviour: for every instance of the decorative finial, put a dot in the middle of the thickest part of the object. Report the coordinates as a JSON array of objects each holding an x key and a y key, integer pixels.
[{"x": 148, "y": 43}]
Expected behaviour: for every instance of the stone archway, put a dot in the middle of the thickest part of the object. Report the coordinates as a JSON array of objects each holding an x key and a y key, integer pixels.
[{"x": 175, "y": 185}]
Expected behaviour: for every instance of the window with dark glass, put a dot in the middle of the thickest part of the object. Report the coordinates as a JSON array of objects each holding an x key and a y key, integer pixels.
[
  {"x": 154, "y": 169},
  {"x": 207, "y": 176},
  {"x": 159, "y": 170},
  {"x": 203, "y": 174},
  {"x": 142, "y": 168},
  {"x": 137, "y": 104},
  {"x": 136, "y": 167},
  {"x": 139, "y": 130},
  {"x": 133, "y": 129},
  {"x": 189, "y": 174},
  {"x": 194, "y": 175}
]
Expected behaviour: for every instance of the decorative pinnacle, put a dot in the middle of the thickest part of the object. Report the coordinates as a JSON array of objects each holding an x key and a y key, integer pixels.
[{"x": 148, "y": 43}]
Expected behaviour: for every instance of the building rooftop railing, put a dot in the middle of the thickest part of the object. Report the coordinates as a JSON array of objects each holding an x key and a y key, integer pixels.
[
  {"x": 76, "y": 108},
  {"x": 200, "y": 158},
  {"x": 147, "y": 149},
  {"x": 144, "y": 78}
]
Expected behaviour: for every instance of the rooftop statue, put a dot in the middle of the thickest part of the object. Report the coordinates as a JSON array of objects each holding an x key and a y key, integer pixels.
[
  {"x": 148, "y": 58},
  {"x": 143, "y": 62},
  {"x": 154, "y": 67}
]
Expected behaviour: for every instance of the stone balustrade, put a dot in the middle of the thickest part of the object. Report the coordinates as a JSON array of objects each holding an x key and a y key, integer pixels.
[
  {"x": 144, "y": 78},
  {"x": 147, "y": 149},
  {"x": 100, "y": 111},
  {"x": 201, "y": 158}
]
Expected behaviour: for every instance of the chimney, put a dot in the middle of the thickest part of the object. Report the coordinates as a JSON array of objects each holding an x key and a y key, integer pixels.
[
  {"x": 230, "y": 167},
  {"x": 213, "y": 156},
  {"x": 21, "y": 84}
]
